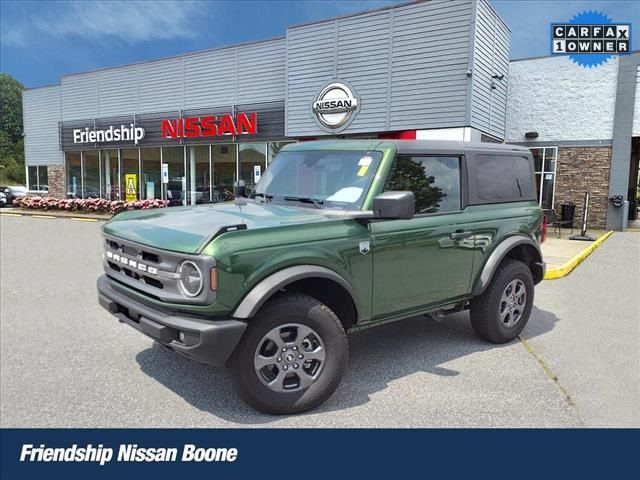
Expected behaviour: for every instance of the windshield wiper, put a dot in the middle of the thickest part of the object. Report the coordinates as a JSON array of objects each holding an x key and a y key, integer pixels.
[
  {"x": 267, "y": 196},
  {"x": 316, "y": 202}
]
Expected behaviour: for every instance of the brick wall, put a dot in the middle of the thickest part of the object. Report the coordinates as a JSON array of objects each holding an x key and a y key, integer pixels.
[
  {"x": 55, "y": 177},
  {"x": 579, "y": 170}
]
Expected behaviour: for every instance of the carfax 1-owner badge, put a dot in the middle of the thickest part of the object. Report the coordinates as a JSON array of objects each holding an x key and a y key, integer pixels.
[{"x": 590, "y": 38}]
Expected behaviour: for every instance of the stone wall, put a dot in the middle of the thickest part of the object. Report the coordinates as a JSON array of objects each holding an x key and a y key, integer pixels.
[
  {"x": 55, "y": 177},
  {"x": 579, "y": 170}
]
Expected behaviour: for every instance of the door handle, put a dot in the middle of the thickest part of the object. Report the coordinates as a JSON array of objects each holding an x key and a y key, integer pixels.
[{"x": 460, "y": 234}]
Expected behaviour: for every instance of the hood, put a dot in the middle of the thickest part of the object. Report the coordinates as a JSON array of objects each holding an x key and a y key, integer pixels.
[{"x": 189, "y": 229}]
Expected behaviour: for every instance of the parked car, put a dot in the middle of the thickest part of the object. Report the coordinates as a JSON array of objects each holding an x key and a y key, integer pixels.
[
  {"x": 13, "y": 192},
  {"x": 339, "y": 236},
  {"x": 3, "y": 199}
]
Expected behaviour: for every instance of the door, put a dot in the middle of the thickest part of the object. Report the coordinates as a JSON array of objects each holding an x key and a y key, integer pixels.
[{"x": 426, "y": 260}]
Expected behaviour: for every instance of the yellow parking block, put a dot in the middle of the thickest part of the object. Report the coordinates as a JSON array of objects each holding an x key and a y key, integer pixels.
[
  {"x": 10, "y": 214},
  {"x": 84, "y": 219},
  {"x": 42, "y": 216}
]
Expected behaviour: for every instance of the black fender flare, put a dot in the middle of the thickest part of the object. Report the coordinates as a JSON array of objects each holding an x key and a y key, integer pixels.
[
  {"x": 499, "y": 253},
  {"x": 260, "y": 293}
]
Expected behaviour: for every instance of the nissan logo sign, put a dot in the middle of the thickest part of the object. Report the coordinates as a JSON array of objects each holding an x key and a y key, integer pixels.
[{"x": 335, "y": 106}]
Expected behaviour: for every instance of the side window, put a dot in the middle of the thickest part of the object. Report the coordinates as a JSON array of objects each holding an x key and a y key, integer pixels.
[
  {"x": 503, "y": 177},
  {"x": 435, "y": 182}
]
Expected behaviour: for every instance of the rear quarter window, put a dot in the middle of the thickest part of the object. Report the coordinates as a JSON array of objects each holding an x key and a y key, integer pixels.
[{"x": 503, "y": 178}]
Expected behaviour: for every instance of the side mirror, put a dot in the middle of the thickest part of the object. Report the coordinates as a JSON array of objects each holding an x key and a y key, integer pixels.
[{"x": 401, "y": 205}]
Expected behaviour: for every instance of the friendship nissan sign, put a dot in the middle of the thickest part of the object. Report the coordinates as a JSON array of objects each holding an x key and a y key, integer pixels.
[
  {"x": 225, "y": 124},
  {"x": 122, "y": 133},
  {"x": 210, "y": 126}
]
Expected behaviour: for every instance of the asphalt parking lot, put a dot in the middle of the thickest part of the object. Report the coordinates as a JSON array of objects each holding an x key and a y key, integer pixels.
[{"x": 65, "y": 362}]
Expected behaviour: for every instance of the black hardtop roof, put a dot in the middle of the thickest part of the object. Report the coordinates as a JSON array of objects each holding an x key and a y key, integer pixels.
[
  {"x": 449, "y": 146},
  {"x": 444, "y": 147}
]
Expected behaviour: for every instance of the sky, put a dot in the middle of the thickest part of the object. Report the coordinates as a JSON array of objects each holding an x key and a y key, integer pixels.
[{"x": 42, "y": 40}]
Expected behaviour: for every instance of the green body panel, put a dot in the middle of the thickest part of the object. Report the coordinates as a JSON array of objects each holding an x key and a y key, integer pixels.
[
  {"x": 417, "y": 264},
  {"x": 189, "y": 229},
  {"x": 413, "y": 266},
  {"x": 494, "y": 223},
  {"x": 246, "y": 257}
]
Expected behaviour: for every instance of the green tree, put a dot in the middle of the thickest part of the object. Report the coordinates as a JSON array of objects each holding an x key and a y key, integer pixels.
[{"x": 11, "y": 142}]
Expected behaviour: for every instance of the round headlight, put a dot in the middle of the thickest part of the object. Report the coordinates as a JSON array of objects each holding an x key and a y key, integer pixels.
[{"x": 190, "y": 281}]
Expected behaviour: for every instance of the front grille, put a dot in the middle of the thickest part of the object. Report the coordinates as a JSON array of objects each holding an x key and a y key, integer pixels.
[
  {"x": 153, "y": 271},
  {"x": 150, "y": 257},
  {"x": 153, "y": 282},
  {"x": 132, "y": 251}
]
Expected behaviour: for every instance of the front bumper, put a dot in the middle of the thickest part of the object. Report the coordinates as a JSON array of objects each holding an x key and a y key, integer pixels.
[{"x": 206, "y": 341}]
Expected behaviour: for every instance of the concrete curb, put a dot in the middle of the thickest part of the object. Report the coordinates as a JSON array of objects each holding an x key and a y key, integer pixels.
[
  {"x": 81, "y": 217},
  {"x": 568, "y": 267}
]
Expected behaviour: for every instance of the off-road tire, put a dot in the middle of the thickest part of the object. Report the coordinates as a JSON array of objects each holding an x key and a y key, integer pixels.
[
  {"x": 286, "y": 309},
  {"x": 485, "y": 309}
]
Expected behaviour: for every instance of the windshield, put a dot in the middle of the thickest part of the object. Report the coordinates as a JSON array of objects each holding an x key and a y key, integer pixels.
[{"x": 322, "y": 179}]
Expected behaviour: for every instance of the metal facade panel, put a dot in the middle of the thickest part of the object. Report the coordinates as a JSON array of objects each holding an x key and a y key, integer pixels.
[
  {"x": 161, "y": 85},
  {"x": 118, "y": 91},
  {"x": 407, "y": 65},
  {"x": 41, "y": 114},
  {"x": 363, "y": 45},
  {"x": 430, "y": 58},
  {"x": 261, "y": 68},
  {"x": 311, "y": 61},
  {"x": 210, "y": 78},
  {"x": 490, "y": 57},
  {"x": 79, "y": 96}
]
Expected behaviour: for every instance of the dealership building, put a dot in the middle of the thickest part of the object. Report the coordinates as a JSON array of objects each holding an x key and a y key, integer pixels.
[{"x": 187, "y": 128}]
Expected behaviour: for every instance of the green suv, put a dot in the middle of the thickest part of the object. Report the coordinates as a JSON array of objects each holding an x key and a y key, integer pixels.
[{"x": 338, "y": 235}]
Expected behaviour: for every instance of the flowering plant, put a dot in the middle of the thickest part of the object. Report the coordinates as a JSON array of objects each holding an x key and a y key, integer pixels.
[{"x": 89, "y": 205}]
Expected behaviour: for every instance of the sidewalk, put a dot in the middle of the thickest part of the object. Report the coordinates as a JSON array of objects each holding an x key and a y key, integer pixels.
[
  {"x": 556, "y": 252},
  {"x": 13, "y": 211}
]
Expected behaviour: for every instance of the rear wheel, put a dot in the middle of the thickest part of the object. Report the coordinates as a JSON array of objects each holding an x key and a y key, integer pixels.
[
  {"x": 292, "y": 356},
  {"x": 500, "y": 314}
]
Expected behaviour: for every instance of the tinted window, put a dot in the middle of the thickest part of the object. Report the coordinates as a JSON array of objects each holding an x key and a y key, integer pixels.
[
  {"x": 503, "y": 177},
  {"x": 435, "y": 182}
]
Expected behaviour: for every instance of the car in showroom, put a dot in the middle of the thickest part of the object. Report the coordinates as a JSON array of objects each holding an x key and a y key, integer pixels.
[{"x": 338, "y": 236}]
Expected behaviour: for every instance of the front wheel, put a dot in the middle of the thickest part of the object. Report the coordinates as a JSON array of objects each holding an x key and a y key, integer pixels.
[
  {"x": 500, "y": 314},
  {"x": 292, "y": 356}
]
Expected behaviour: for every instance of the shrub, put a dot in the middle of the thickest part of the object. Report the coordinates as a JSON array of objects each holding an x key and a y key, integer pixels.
[{"x": 90, "y": 205}]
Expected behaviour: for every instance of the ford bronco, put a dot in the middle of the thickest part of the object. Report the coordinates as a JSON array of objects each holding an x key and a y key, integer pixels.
[{"x": 338, "y": 235}]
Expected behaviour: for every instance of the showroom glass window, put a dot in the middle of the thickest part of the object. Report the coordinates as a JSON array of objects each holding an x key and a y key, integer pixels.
[
  {"x": 173, "y": 157},
  {"x": 37, "y": 177},
  {"x": 545, "y": 166},
  {"x": 151, "y": 174},
  {"x": 223, "y": 158},
  {"x": 253, "y": 159},
  {"x": 91, "y": 172},
  {"x": 198, "y": 175},
  {"x": 73, "y": 174},
  {"x": 434, "y": 181},
  {"x": 129, "y": 171},
  {"x": 110, "y": 174}
]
